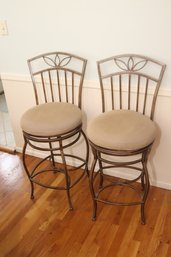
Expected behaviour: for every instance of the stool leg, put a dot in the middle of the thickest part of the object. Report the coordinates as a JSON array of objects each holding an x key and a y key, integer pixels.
[
  {"x": 142, "y": 182},
  {"x": 67, "y": 178},
  {"x": 100, "y": 173},
  {"x": 25, "y": 167},
  {"x": 146, "y": 185},
  {"x": 91, "y": 180},
  {"x": 52, "y": 156},
  {"x": 87, "y": 153}
]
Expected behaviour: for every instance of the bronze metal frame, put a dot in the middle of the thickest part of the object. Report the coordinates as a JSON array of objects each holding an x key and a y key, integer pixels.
[
  {"x": 126, "y": 65},
  {"x": 57, "y": 76}
]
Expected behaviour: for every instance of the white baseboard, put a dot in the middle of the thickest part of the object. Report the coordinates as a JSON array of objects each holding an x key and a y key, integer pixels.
[{"x": 115, "y": 172}]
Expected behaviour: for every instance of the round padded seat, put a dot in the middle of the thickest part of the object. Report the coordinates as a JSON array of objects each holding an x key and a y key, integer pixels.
[
  {"x": 122, "y": 130},
  {"x": 51, "y": 119}
]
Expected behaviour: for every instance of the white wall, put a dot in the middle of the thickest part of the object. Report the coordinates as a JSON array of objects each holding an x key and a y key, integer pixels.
[
  {"x": 93, "y": 29},
  {"x": 1, "y": 86}
]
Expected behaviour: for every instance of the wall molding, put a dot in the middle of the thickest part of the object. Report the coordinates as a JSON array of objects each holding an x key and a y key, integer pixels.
[{"x": 92, "y": 84}]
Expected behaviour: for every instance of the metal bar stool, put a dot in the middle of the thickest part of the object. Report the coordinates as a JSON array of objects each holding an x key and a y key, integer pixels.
[
  {"x": 122, "y": 136},
  {"x": 54, "y": 125}
]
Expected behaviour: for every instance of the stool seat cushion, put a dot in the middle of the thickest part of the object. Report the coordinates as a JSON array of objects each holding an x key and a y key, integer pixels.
[
  {"x": 51, "y": 119},
  {"x": 122, "y": 130}
]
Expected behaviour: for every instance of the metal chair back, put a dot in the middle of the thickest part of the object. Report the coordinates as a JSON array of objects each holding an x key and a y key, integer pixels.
[
  {"x": 57, "y": 77},
  {"x": 130, "y": 82}
]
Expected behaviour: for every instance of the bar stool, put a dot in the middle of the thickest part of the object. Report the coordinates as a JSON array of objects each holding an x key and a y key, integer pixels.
[
  {"x": 123, "y": 135},
  {"x": 54, "y": 125}
]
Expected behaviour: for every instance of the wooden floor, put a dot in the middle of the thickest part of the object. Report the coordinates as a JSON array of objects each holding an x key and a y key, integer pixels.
[{"x": 44, "y": 227}]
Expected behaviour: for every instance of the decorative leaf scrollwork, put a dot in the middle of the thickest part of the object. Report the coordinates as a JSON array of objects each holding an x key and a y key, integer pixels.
[
  {"x": 130, "y": 64},
  {"x": 140, "y": 65},
  {"x": 57, "y": 61},
  {"x": 65, "y": 61},
  {"x": 121, "y": 64}
]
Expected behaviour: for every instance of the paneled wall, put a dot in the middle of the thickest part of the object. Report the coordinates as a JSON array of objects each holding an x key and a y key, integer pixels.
[{"x": 20, "y": 96}]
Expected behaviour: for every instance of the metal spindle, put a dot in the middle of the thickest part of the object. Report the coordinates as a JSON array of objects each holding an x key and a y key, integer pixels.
[
  {"x": 112, "y": 92},
  {"x": 43, "y": 84},
  {"x": 59, "y": 86},
  {"x": 145, "y": 95},
  {"x": 120, "y": 91},
  {"x": 66, "y": 86},
  {"x": 51, "y": 86},
  {"x": 129, "y": 91},
  {"x": 72, "y": 88},
  {"x": 138, "y": 93}
]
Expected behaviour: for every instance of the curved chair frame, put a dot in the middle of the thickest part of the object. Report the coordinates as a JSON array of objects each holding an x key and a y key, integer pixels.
[
  {"x": 57, "y": 62},
  {"x": 129, "y": 64}
]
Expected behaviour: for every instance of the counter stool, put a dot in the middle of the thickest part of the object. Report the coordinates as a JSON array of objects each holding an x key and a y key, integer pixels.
[
  {"x": 54, "y": 125},
  {"x": 122, "y": 136}
]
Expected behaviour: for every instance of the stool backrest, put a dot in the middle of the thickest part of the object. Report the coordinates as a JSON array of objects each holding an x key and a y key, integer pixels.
[
  {"x": 130, "y": 82},
  {"x": 57, "y": 77}
]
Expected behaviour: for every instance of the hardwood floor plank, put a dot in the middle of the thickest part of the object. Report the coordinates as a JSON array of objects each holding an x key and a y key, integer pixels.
[
  {"x": 105, "y": 238},
  {"x": 158, "y": 230},
  {"x": 44, "y": 227}
]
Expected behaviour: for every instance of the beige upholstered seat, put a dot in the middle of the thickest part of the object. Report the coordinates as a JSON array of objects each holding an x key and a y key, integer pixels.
[
  {"x": 51, "y": 119},
  {"x": 122, "y": 136},
  {"x": 121, "y": 129},
  {"x": 54, "y": 125}
]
